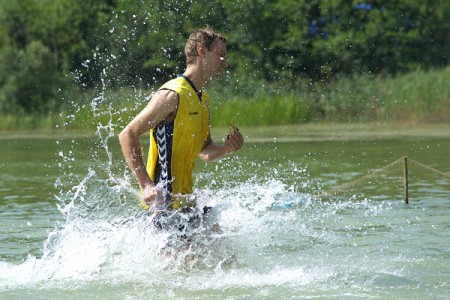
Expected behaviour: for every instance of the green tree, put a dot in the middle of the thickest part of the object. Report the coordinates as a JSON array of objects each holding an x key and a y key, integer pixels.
[
  {"x": 27, "y": 79},
  {"x": 118, "y": 43},
  {"x": 42, "y": 43}
]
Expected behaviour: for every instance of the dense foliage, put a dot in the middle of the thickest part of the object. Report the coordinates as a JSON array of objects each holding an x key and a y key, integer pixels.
[{"x": 49, "y": 46}]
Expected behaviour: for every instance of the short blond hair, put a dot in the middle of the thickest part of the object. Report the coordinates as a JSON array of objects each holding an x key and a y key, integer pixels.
[{"x": 205, "y": 37}]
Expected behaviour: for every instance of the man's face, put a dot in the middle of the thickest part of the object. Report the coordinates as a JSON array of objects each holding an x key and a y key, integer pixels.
[{"x": 216, "y": 60}]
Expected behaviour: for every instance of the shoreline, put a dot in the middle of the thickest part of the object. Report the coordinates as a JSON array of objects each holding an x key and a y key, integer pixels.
[
  {"x": 283, "y": 133},
  {"x": 338, "y": 132}
]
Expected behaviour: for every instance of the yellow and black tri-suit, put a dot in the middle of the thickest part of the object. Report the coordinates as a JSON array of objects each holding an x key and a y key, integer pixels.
[{"x": 175, "y": 146}]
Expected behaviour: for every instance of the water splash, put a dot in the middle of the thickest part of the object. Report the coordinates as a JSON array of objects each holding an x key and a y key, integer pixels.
[{"x": 265, "y": 236}]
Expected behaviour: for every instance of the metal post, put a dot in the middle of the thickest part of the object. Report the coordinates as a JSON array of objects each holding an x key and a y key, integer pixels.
[{"x": 405, "y": 178}]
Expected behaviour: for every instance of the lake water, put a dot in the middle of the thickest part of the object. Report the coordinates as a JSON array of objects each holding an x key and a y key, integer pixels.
[{"x": 71, "y": 226}]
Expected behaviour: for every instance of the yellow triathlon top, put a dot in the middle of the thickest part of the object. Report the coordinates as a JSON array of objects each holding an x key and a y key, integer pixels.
[{"x": 175, "y": 146}]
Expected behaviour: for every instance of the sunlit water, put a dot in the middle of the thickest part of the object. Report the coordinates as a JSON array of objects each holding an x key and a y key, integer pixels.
[{"x": 71, "y": 225}]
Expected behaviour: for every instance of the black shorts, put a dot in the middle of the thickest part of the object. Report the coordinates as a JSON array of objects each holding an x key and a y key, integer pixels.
[{"x": 181, "y": 220}]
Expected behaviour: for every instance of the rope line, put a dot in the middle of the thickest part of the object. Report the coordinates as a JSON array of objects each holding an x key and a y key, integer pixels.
[
  {"x": 429, "y": 168},
  {"x": 376, "y": 172},
  {"x": 365, "y": 177}
]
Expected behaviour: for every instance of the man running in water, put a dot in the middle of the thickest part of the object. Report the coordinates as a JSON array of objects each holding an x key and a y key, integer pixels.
[{"x": 178, "y": 119}]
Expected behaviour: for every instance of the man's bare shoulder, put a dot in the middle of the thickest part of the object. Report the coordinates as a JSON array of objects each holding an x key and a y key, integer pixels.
[
  {"x": 162, "y": 106},
  {"x": 165, "y": 95}
]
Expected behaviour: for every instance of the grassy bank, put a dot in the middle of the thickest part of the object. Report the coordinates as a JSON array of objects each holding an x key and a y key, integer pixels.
[{"x": 418, "y": 97}]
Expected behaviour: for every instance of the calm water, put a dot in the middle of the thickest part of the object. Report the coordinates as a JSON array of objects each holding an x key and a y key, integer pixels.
[{"x": 70, "y": 225}]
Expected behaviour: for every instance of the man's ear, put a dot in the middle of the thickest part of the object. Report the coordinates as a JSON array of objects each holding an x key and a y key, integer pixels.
[{"x": 201, "y": 51}]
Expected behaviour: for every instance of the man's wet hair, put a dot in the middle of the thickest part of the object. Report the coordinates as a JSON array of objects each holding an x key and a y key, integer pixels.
[{"x": 205, "y": 37}]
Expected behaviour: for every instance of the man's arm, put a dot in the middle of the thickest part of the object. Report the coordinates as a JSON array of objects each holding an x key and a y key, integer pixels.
[
  {"x": 162, "y": 104},
  {"x": 212, "y": 151}
]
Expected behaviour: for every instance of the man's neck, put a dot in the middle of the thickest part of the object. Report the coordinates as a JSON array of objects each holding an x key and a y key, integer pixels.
[{"x": 195, "y": 74}]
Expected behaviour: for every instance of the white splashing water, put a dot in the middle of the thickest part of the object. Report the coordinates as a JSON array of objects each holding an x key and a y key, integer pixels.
[{"x": 269, "y": 237}]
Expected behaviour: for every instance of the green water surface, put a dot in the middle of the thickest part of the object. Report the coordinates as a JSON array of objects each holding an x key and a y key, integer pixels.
[{"x": 34, "y": 170}]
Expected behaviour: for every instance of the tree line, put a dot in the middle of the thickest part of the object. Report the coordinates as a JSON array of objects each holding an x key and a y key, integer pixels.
[{"x": 50, "y": 46}]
